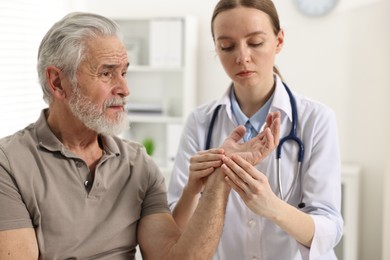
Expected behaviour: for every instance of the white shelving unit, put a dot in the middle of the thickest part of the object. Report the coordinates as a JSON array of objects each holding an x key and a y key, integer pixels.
[
  {"x": 347, "y": 249},
  {"x": 162, "y": 80}
]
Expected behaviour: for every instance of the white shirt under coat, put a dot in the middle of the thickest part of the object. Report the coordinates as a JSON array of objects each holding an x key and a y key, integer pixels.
[{"x": 247, "y": 235}]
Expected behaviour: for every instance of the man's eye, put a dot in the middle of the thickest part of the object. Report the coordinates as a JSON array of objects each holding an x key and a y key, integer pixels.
[{"x": 107, "y": 74}]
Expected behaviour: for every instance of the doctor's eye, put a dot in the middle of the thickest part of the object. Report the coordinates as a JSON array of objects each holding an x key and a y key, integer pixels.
[
  {"x": 257, "y": 44},
  {"x": 227, "y": 48}
]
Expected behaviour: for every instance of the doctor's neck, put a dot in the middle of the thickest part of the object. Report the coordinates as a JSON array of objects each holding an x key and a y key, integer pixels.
[{"x": 252, "y": 98}]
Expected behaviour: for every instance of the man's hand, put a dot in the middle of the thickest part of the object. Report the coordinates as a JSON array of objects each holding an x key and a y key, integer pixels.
[{"x": 254, "y": 150}]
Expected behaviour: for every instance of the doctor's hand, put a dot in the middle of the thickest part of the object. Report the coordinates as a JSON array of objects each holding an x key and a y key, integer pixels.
[
  {"x": 258, "y": 147},
  {"x": 251, "y": 184},
  {"x": 201, "y": 166}
]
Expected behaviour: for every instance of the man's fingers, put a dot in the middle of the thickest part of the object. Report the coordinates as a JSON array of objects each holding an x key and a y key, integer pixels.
[
  {"x": 275, "y": 129},
  {"x": 238, "y": 133}
]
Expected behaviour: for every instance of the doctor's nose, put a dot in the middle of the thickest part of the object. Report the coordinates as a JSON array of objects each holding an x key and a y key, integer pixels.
[{"x": 243, "y": 56}]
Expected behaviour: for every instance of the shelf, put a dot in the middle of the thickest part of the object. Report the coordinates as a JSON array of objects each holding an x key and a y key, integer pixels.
[
  {"x": 145, "y": 68},
  {"x": 162, "y": 80},
  {"x": 147, "y": 118}
]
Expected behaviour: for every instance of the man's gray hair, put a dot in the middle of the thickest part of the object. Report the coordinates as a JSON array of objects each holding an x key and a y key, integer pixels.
[{"x": 64, "y": 44}]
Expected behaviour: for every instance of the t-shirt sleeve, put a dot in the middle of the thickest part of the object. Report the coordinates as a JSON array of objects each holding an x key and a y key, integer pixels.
[
  {"x": 13, "y": 211},
  {"x": 155, "y": 197}
]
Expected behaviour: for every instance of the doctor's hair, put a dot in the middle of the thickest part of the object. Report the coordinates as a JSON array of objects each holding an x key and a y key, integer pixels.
[
  {"x": 266, "y": 6},
  {"x": 64, "y": 45}
]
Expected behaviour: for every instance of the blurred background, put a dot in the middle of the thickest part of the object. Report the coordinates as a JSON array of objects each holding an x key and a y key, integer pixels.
[{"x": 341, "y": 59}]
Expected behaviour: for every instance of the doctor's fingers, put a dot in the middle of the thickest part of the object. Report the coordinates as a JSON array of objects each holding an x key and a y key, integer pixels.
[
  {"x": 244, "y": 189},
  {"x": 212, "y": 151},
  {"x": 241, "y": 166},
  {"x": 208, "y": 166},
  {"x": 207, "y": 156},
  {"x": 243, "y": 174},
  {"x": 204, "y": 161}
]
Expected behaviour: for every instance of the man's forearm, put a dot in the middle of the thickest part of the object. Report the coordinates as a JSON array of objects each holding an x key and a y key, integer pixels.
[
  {"x": 200, "y": 239},
  {"x": 185, "y": 208}
]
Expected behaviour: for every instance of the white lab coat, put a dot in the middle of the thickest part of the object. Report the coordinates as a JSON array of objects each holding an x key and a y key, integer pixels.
[{"x": 247, "y": 235}]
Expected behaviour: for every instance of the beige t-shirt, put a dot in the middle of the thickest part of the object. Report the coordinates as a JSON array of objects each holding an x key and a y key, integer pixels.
[{"x": 43, "y": 185}]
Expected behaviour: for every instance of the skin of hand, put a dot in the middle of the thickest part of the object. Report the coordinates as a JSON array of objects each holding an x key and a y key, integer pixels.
[
  {"x": 253, "y": 187},
  {"x": 254, "y": 151},
  {"x": 205, "y": 162}
]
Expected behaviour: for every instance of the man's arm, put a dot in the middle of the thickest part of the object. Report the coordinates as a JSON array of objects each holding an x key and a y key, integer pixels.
[
  {"x": 201, "y": 166},
  {"x": 160, "y": 238},
  {"x": 18, "y": 244}
]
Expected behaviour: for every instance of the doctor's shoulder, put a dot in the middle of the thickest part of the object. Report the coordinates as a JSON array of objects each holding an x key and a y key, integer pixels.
[
  {"x": 314, "y": 111},
  {"x": 308, "y": 105},
  {"x": 202, "y": 113}
]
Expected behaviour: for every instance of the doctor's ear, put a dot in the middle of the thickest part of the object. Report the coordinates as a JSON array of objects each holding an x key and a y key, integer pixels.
[
  {"x": 279, "y": 40},
  {"x": 54, "y": 78}
]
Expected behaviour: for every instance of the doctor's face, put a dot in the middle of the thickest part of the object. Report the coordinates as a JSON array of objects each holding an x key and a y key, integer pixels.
[{"x": 247, "y": 45}]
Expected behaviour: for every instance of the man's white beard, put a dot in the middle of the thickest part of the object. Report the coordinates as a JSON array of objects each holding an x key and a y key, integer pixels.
[{"x": 93, "y": 116}]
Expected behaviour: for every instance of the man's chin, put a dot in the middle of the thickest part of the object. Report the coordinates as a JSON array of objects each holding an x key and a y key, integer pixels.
[{"x": 115, "y": 128}]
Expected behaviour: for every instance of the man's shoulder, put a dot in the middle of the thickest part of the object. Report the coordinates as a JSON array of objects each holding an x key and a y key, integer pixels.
[{"x": 17, "y": 139}]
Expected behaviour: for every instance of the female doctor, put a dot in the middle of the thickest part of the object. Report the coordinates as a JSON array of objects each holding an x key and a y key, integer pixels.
[{"x": 286, "y": 212}]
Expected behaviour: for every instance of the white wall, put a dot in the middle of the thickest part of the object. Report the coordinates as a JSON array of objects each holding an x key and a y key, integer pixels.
[
  {"x": 341, "y": 59},
  {"x": 23, "y": 23}
]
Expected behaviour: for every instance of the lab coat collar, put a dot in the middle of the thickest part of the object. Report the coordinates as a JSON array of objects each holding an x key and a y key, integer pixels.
[
  {"x": 281, "y": 101},
  {"x": 224, "y": 101}
]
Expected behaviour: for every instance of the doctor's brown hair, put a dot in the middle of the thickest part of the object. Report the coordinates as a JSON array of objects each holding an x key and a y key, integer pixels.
[{"x": 266, "y": 6}]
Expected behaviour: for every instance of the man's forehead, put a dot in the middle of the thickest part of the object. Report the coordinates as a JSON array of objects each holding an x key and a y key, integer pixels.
[{"x": 106, "y": 52}]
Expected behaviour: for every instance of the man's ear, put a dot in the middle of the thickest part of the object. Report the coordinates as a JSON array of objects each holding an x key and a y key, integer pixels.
[{"x": 55, "y": 82}]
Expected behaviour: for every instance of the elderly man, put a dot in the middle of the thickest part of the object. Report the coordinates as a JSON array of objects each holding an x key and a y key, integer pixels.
[{"x": 71, "y": 189}]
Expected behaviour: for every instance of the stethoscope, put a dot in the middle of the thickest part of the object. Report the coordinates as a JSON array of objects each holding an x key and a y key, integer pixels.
[{"x": 292, "y": 136}]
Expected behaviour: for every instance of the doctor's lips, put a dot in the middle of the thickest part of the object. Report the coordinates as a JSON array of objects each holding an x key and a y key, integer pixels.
[{"x": 245, "y": 73}]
